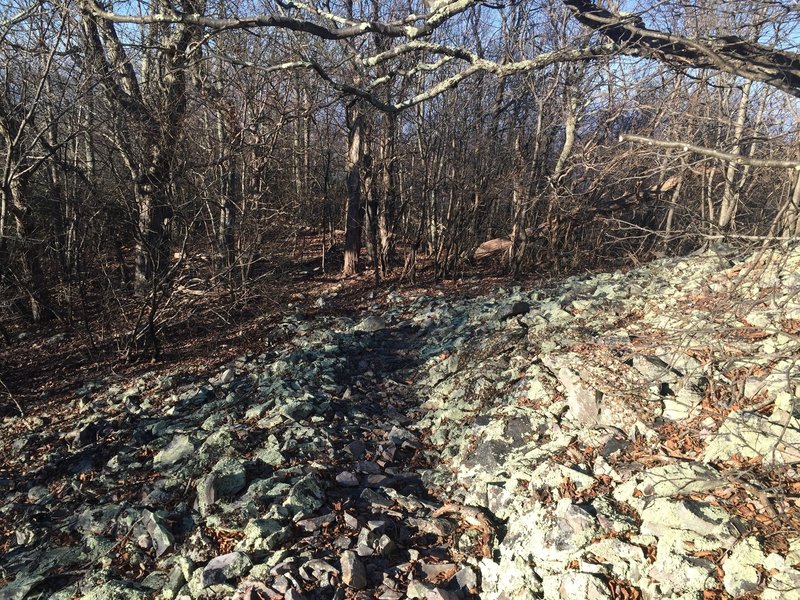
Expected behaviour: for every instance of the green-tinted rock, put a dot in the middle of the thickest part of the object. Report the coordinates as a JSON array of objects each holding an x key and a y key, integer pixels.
[
  {"x": 176, "y": 451},
  {"x": 305, "y": 496},
  {"x": 115, "y": 590}
]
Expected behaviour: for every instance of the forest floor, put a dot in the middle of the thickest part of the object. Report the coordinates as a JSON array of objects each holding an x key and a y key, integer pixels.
[
  {"x": 201, "y": 327},
  {"x": 625, "y": 429}
]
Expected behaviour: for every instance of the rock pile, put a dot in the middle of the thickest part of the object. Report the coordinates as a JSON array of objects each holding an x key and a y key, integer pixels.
[{"x": 615, "y": 436}]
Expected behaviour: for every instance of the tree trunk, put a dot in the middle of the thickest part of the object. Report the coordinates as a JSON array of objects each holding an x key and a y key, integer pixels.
[
  {"x": 730, "y": 194},
  {"x": 519, "y": 203},
  {"x": 386, "y": 218},
  {"x": 152, "y": 247},
  {"x": 355, "y": 206},
  {"x": 791, "y": 217},
  {"x": 32, "y": 276},
  {"x": 230, "y": 187},
  {"x": 372, "y": 202}
]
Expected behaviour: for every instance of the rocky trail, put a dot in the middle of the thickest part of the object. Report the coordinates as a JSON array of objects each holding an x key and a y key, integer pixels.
[{"x": 621, "y": 435}]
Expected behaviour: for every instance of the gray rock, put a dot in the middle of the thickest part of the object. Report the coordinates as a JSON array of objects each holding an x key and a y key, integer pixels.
[
  {"x": 467, "y": 580},
  {"x": 229, "y": 476},
  {"x": 305, "y": 496},
  {"x": 441, "y": 594},
  {"x": 177, "y": 450},
  {"x": 197, "y": 549},
  {"x": 683, "y": 405},
  {"x": 255, "y": 590},
  {"x": 227, "y": 376},
  {"x": 226, "y": 479},
  {"x": 682, "y": 479},
  {"x": 351, "y": 521},
  {"x": 750, "y": 435},
  {"x": 622, "y": 559},
  {"x": 402, "y": 437},
  {"x": 270, "y": 455},
  {"x": 436, "y": 526},
  {"x": 514, "y": 310},
  {"x": 99, "y": 519},
  {"x": 365, "y": 542},
  {"x": 356, "y": 449},
  {"x": 582, "y": 399},
  {"x": 161, "y": 537},
  {"x": 678, "y": 574},
  {"x": 784, "y": 585},
  {"x": 175, "y": 581},
  {"x": 297, "y": 409},
  {"x": 584, "y": 586},
  {"x": 226, "y": 567},
  {"x": 263, "y": 534},
  {"x": 19, "y": 588},
  {"x": 310, "y": 525},
  {"x": 386, "y": 546},
  {"x": 156, "y": 581},
  {"x": 321, "y": 572},
  {"x": 39, "y": 494},
  {"x": 347, "y": 479},
  {"x": 418, "y": 589},
  {"x": 353, "y": 573},
  {"x": 371, "y": 324},
  {"x": 377, "y": 526},
  {"x": 376, "y": 498},
  {"x": 704, "y": 526},
  {"x": 435, "y": 571}
]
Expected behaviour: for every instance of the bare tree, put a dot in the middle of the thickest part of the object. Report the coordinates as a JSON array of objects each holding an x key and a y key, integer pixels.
[{"x": 30, "y": 42}]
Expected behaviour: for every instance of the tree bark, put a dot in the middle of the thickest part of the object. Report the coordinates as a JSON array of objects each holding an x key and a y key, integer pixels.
[
  {"x": 730, "y": 193},
  {"x": 32, "y": 276},
  {"x": 355, "y": 206},
  {"x": 386, "y": 219},
  {"x": 230, "y": 187},
  {"x": 152, "y": 247}
]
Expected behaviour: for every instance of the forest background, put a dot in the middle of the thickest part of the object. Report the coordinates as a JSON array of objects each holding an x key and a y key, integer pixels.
[{"x": 177, "y": 162}]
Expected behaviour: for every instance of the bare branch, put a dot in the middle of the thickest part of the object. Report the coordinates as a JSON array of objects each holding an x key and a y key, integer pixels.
[
  {"x": 732, "y": 158},
  {"x": 729, "y": 53},
  {"x": 476, "y": 65},
  {"x": 350, "y": 29}
]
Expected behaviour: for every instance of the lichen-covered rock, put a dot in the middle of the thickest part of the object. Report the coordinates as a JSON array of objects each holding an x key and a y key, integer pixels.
[
  {"x": 226, "y": 567},
  {"x": 115, "y": 590},
  {"x": 305, "y": 496},
  {"x": 688, "y": 524},
  {"x": 263, "y": 534},
  {"x": 677, "y": 573},
  {"x": 742, "y": 567},
  {"x": 750, "y": 435},
  {"x": 575, "y": 585}
]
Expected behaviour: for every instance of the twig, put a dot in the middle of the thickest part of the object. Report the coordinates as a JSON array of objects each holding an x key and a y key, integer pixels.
[
  {"x": 13, "y": 399},
  {"x": 754, "y": 491}
]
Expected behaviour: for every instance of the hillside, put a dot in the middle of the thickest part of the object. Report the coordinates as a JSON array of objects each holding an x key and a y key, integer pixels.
[{"x": 620, "y": 435}]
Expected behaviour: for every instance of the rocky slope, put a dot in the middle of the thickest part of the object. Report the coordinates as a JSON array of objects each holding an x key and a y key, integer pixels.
[{"x": 615, "y": 436}]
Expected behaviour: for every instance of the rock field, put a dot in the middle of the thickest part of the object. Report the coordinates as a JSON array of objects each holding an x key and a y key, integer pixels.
[{"x": 613, "y": 436}]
